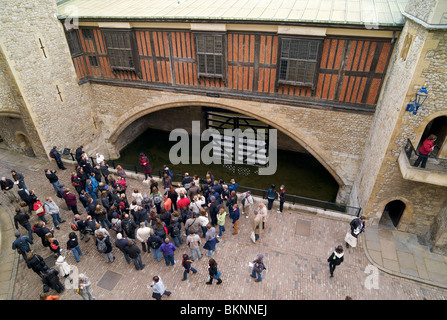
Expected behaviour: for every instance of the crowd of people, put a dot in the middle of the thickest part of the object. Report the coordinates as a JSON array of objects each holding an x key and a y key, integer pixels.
[{"x": 193, "y": 211}]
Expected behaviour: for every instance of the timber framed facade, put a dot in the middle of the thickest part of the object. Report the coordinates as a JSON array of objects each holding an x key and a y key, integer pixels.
[{"x": 329, "y": 71}]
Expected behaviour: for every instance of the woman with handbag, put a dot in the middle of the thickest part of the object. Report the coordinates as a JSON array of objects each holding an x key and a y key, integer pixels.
[
  {"x": 213, "y": 272},
  {"x": 39, "y": 210}
]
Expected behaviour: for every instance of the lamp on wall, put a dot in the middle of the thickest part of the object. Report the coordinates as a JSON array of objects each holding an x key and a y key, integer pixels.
[{"x": 418, "y": 101}]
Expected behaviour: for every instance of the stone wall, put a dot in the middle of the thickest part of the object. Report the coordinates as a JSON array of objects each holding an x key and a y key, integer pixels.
[
  {"x": 34, "y": 45},
  {"x": 380, "y": 180}
]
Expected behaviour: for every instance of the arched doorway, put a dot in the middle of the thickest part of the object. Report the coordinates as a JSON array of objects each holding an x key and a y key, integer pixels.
[
  {"x": 438, "y": 127},
  {"x": 392, "y": 213},
  {"x": 24, "y": 144}
]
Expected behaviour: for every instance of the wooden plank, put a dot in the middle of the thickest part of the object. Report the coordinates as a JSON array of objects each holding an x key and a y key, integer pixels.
[{"x": 383, "y": 59}]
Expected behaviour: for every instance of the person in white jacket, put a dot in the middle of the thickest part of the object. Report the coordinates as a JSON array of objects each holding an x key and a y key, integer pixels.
[
  {"x": 63, "y": 268},
  {"x": 137, "y": 196},
  {"x": 143, "y": 233},
  {"x": 247, "y": 203}
]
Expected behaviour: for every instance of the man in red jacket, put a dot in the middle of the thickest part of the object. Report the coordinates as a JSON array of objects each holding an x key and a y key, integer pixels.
[{"x": 425, "y": 150}]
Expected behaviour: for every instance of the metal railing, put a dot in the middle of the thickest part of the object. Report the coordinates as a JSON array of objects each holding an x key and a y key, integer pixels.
[
  {"x": 290, "y": 198},
  {"x": 433, "y": 163}
]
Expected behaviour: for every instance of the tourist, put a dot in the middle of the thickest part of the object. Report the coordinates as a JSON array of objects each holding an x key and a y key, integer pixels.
[
  {"x": 213, "y": 272},
  {"x": 357, "y": 226},
  {"x": 134, "y": 253},
  {"x": 168, "y": 248},
  {"x": 79, "y": 225},
  {"x": 53, "y": 210},
  {"x": 247, "y": 203},
  {"x": 96, "y": 173},
  {"x": 167, "y": 181},
  {"x": 22, "y": 218},
  {"x": 193, "y": 242},
  {"x": 54, "y": 153},
  {"x": 86, "y": 164},
  {"x": 263, "y": 212},
  {"x": 53, "y": 244},
  {"x": 52, "y": 178},
  {"x": 160, "y": 229},
  {"x": 105, "y": 247},
  {"x": 335, "y": 259},
  {"x": 85, "y": 289},
  {"x": 232, "y": 200},
  {"x": 424, "y": 151},
  {"x": 39, "y": 210},
  {"x": 236, "y": 216},
  {"x": 121, "y": 244},
  {"x": 73, "y": 245},
  {"x": 173, "y": 196},
  {"x": 203, "y": 221},
  {"x": 36, "y": 263},
  {"x": 271, "y": 195},
  {"x": 257, "y": 224},
  {"x": 186, "y": 263},
  {"x": 78, "y": 154},
  {"x": 105, "y": 201},
  {"x": 157, "y": 198},
  {"x": 159, "y": 288},
  {"x": 137, "y": 196},
  {"x": 174, "y": 230},
  {"x": 121, "y": 173},
  {"x": 41, "y": 230},
  {"x": 233, "y": 186},
  {"x": 51, "y": 280},
  {"x": 63, "y": 267},
  {"x": 7, "y": 187},
  {"x": 282, "y": 198},
  {"x": 214, "y": 208},
  {"x": 21, "y": 244},
  {"x": 258, "y": 268},
  {"x": 193, "y": 223},
  {"x": 70, "y": 200},
  {"x": 193, "y": 191},
  {"x": 19, "y": 179},
  {"x": 100, "y": 216},
  {"x": 104, "y": 168},
  {"x": 221, "y": 221},
  {"x": 143, "y": 233},
  {"x": 145, "y": 166},
  {"x": 211, "y": 240},
  {"x": 154, "y": 242}
]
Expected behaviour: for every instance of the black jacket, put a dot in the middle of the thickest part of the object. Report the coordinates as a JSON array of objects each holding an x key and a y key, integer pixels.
[
  {"x": 36, "y": 263},
  {"x": 133, "y": 251},
  {"x": 154, "y": 241},
  {"x": 334, "y": 259},
  {"x": 21, "y": 218},
  {"x": 8, "y": 184},
  {"x": 52, "y": 177}
]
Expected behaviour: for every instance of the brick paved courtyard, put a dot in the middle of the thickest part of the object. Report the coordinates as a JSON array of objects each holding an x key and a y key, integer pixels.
[{"x": 295, "y": 245}]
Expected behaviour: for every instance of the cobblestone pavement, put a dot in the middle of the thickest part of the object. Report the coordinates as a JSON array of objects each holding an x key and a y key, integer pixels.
[{"x": 295, "y": 244}]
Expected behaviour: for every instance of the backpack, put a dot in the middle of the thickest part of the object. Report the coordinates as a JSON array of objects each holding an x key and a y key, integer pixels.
[
  {"x": 53, "y": 246},
  {"x": 115, "y": 227},
  {"x": 154, "y": 244},
  {"x": 74, "y": 226},
  {"x": 102, "y": 247},
  {"x": 157, "y": 199},
  {"x": 51, "y": 155},
  {"x": 175, "y": 230}
]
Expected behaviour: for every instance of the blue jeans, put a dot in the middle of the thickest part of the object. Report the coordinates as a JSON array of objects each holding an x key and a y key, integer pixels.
[
  {"x": 77, "y": 252},
  {"x": 55, "y": 186},
  {"x": 257, "y": 275},
  {"x": 185, "y": 273},
  {"x": 193, "y": 251},
  {"x": 210, "y": 253},
  {"x": 221, "y": 229},
  {"x": 126, "y": 256},
  {"x": 42, "y": 218},
  {"x": 56, "y": 219},
  {"x": 169, "y": 259},
  {"x": 177, "y": 240},
  {"x": 423, "y": 158},
  {"x": 138, "y": 263},
  {"x": 270, "y": 204},
  {"x": 27, "y": 226},
  {"x": 104, "y": 222},
  {"x": 157, "y": 254}
]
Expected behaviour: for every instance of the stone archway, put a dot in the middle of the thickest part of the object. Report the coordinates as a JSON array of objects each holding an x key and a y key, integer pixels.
[
  {"x": 293, "y": 133},
  {"x": 24, "y": 144}
]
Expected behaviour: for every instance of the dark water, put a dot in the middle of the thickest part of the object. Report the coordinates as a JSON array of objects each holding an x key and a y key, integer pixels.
[{"x": 301, "y": 173}]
